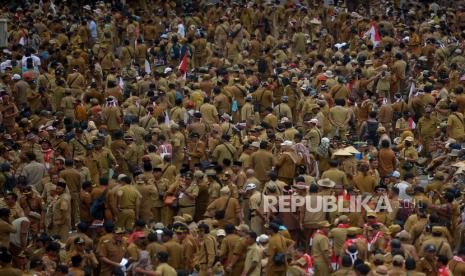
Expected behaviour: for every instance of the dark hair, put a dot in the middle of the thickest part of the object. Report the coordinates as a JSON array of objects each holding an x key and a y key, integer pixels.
[
  {"x": 103, "y": 180},
  {"x": 410, "y": 264},
  {"x": 204, "y": 227},
  {"x": 31, "y": 156},
  {"x": 229, "y": 228},
  {"x": 252, "y": 235},
  {"x": 333, "y": 163},
  {"x": 109, "y": 226},
  {"x": 126, "y": 179},
  {"x": 162, "y": 256},
  {"x": 76, "y": 260},
  {"x": 408, "y": 175},
  {"x": 385, "y": 144},
  {"x": 313, "y": 188},
  {"x": 346, "y": 261},
  {"x": 86, "y": 184}
]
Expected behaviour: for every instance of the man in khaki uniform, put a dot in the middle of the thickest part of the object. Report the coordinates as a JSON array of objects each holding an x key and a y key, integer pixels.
[
  {"x": 457, "y": 264},
  {"x": 277, "y": 244},
  {"x": 225, "y": 150},
  {"x": 161, "y": 185},
  {"x": 263, "y": 97},
  {"x": 127, "y": 203},
  {"x": 440, "y": 242},
  {"x": 335, "y": 174},
  {"x": 200, "y": 50},
  {"x": 209, "y": 112},
  {"x": 111, "y": 250},
  {"x": 428, "y": 263},
  {"x": 262, "y": 161},
  {"x": 339, "y": 235},
  {"x": 226, "y": 209},
  {"x": 72, "y": 178},
  {"x": 76, "y": 82},
  {"x": 148, "y": 191},
  {"x": 283, "y": 110},
  {"x": 427, "y": 130},
  {"x": 140, "y": 53},
  {"x": 339, "y": 117},
  {"x": 127, "y": 54},
  {"x": 61, "y": 208},
  {"x": 67, "y": 104},
  {"x": 228, "y": 244},
  {"x": 207, "y": 250},
  {"x": 179, "y": 145},
  {"x": 188, "y": 192},
  {"x": 321, "y": 250},
  {"x": 255, "y": 212},
  {"x": 455, "y": 124},
  {"x": 313, "y": 136}
]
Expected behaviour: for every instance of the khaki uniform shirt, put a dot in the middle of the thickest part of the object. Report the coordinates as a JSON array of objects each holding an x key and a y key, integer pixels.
[
  {"x": 128, "y": 196},
  {"x": 112, "y": 250},
  {"x": 336, "y": 175}
]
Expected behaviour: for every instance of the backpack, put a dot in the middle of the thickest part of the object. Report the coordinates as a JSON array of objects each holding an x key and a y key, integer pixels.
[
  {"x": 97, "y": 207},
  {"x": 261, "y": 65},
  {"x": 10, "y": 182},
  {"x": 175, "y": 52},
  {"x": 372, "y": 132}
]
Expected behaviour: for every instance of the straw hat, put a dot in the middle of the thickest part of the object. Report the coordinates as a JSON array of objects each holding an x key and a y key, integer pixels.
[
  {"x": 342, "y": 152},
  {"x": 326, "y": 182},
  {"x": 352, "y": 150}
]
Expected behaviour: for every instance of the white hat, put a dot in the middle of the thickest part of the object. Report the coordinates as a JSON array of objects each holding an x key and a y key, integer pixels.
[
  {"x": 287, "y": 143},
  {"x": 262, "y": 238},
  {"x": 250, "y": 186},
  {"x": 164, "y": 36},
  {"x": 314, "y": 121},
  {"x": 168, "y": 70},
  {"x": 255, "y": 144},
  {"x": 86, "y": 7},
  {"x": 50, "y": 128},
  {"x": 328, "y": 74},
  {"x": 16, "y": 77},
  {"x": 121, "y": 176},
  {"x": 220, "y": 232},
  {"x": 284, "y": 120},
  {"x": 395, "y": 174}
]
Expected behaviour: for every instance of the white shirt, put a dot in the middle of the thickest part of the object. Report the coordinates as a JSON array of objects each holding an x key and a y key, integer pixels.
[
  {"x": 15, "y": 238},
  {"x": 35, "y": 61},
  {"x": 181, "y": 30},
  {"x": 402, "y": 186}
]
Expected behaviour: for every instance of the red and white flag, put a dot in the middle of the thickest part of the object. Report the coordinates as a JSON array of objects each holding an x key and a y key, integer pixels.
[
  {"x": 183, "y": 65},
  {"x": 373, "y": 32}
]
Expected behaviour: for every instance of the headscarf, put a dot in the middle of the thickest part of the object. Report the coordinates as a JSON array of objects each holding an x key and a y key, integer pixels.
[{"x": 323, "y": 148}]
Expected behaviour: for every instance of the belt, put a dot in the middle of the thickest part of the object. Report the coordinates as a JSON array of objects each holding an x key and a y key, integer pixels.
[
  {"x": 187, "y": 206},
  {"x": 132, "y": 209}
]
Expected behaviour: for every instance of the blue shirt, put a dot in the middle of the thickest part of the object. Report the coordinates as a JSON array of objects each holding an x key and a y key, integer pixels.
[{"x": 92, "y": 28}]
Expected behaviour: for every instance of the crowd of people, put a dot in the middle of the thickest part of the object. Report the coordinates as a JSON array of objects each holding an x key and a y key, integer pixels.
[{"x": 146, "y": 138}]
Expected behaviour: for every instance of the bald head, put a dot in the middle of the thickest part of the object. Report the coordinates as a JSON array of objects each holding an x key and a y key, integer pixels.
[{"x": 250, "y": 172}]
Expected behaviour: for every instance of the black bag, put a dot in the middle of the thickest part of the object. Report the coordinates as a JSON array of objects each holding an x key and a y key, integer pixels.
[
  {"x": 407, "y": 166},
  {"x": 97, "y": 207},
  {"x": 279, "y": 259},
  {"x": 257, "y": 105},
  {"x": 261, "y": 65},
  {"x": 221, "y": 213},
  {"x": 372, "y": 132}
]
